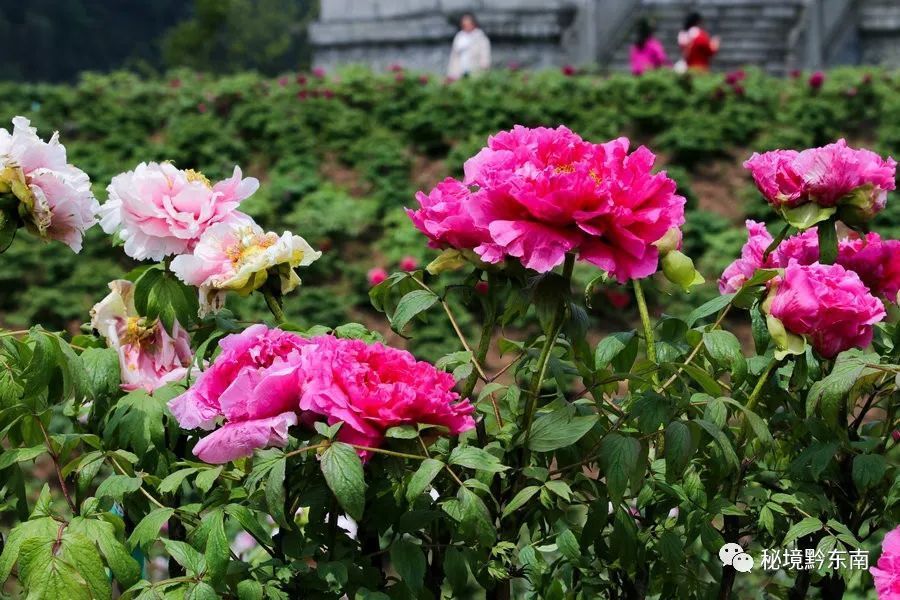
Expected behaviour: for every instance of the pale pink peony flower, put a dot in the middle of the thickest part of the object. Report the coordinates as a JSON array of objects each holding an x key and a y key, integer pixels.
[
  {"x": 445, "y": 217},
  {"x": 887, "y": 572},
  {"x": 148, "y": 356},
  {"x": 859, "y": 180},
  {"x": 238, "y": 255},
  {"x": 253, "y": 385},
  {"x": 828, "y": 304},
  {"x": 159, "y": 210},
  {"x": 372, "y": 387},
  {"x": 376, "y": 275},
  {"x": 56, "y": 196}
]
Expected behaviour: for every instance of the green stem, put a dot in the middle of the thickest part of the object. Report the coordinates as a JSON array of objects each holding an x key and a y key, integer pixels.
[
  {"x": 645, "y": 320},
  {"x": 757, "y": 389},
  {"x": 484, "y": 344},
  {"x": 274, "y": 305},
  {"x": 537, "y": 379}
]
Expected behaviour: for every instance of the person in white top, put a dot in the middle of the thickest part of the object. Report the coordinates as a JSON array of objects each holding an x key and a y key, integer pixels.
[{"x": 471, "y": 52}]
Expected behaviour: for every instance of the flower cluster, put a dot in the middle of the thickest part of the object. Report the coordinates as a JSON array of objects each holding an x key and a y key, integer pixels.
[
  {"x": 159, "y": 210},
  {"x": 266, "y": 380},
  {"x": 54, "y": 198},
  {"x": 149, "y": 356},
  {"x": 537, "y": 194},
  {"x": 833, "y": 305},
  {"x": 887, "y": 573},
  {"x": 830, "y": 177},
  {"x": 874, "y": 260}
]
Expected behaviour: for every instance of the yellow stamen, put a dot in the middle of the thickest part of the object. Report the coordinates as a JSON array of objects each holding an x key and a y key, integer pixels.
[{"x": 193, "y": 176}]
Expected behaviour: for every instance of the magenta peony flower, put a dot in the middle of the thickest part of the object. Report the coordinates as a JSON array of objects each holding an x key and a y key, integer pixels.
[
  {"x": 543, "y": 193},
  {"x": 253, "y": 385},
  {"x": 444, "y": 216},
  {"x": 816, "y": 80},
  {"x": 148, "y": 356},
  {"x": 828, "y": 304},
  {"x": 409, "y": 263},
  {"x": 636, "y": 208},
  {"x": 887, "y": 573},
  {"x": 56, "y": 198},
  {"x": 238, "y": 255},
  {"x": 159, "y": 210},
  {"x": 376, "y": 275},
  {"x": 832, "y": 175},
  {"x": 876, "y": 261},
  {"x": 372, "y": 387}
]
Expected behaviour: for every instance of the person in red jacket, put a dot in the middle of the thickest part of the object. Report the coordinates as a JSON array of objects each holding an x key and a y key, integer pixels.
[{"x": 697, "y": 46}]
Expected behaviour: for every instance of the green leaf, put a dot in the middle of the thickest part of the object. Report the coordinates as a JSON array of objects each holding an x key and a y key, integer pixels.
[
  {"x": 202, "y": 591},
  {"x": 71, "y": 569},
  {"x": 679, "y": 448},
  {"x": 185, "y": 555},
  {"x": 757, "y": 425},
  {"x": 619, "y": 459},
  {"x": 709, "y": 308},
  {"x": 422, "y": 478},
  {"x": 868, "y": 470},
  {"x": 706, "y": 381},
  {"x": 455, "y": 570},
  {"x": 849, "y": 374},
  {"x": 205, "y": 480},
  {"x": 722, "y": 441},
  {"x": 45, "y": 528},
  {"x": 828, "y": 242},
  {"x": 174, "y": 480},
  {"x": 138, "y": 421},
  {"x": 610, "y": 347},
  {"x": 9, "y": 224},
  {"x": 217, "y": 550},
  {"x": 476, "y": 458},
  {"x": 158, "y": 294},
  {"x": 410, "y": 305},
  {"x": 103, "y": 533},
  {"x": 805, "y": 527},
  {"x": 559, "y": 429},
  {"x": 568, "y": 546},
  {"x": 102, "y": 378},
  {"x": 725, "y": 349},
  {"x": 248, "y": 520},
  {"x": 520, "y": 499},
  {"x": 249, "y": 589},
  {"x": 806, "y": 215},
  {"x": 343, "y": 473},
  {"x": 116, "y": 486},
  {"x": 17, "y": 455},
  {"x": 560, "y": 488},
  {"x": 409, "y": 562},
  {"x": 275, "y": 491},
  {"x": 147, "y": 530}
]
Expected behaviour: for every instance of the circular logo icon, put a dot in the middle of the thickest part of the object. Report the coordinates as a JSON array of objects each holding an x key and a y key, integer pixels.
[{"x": 742, "y": 562}]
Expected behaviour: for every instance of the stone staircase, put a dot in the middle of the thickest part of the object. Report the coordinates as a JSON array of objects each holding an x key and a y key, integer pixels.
[{"x": 753, "y": 32}]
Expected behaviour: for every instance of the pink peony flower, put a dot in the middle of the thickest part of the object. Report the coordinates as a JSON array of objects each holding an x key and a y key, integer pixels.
[
  {"x": 887, "y": 573},
  {"x": 828, "y": 176},
  {"x": 816, "y": 80},
  {"x": 56, "y": 198},
  {"x": 742, "y": 269},
  {"x": 159, "y": 210},
  {"x": 253, "y": 385},
  {"x": 318, "y": 72},
  {"x": 238, "y": 255},
  {"x": 876, "y": 261},
  {"x": 371, "y": 388},
  {"x": 569, "y": 70},
  {"x": 376, "y": 275},
  {"x": 828, "y": 304},
  {"x": 445, "y": 217},
  {"x": 148, "y": 356},
  {"x": 409, "y": 263},
  {"x": 543, "y": 193}
]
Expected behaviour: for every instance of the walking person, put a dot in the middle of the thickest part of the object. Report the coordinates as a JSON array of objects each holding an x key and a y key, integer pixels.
[
  {"x": 697, "y": 46},
  {"x": 471, "y": 51},
  {"x": 647, "y": 53}
]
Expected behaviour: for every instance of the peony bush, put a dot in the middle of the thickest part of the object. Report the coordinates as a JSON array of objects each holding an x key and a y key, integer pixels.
[{"x": 183, "y": 454}]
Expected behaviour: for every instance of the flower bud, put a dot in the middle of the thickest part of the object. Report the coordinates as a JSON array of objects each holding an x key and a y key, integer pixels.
[
  {"x": 669, "y": 242},
  {"x": 679, "y": 269},
  {"x": 786, "y": 342}
]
